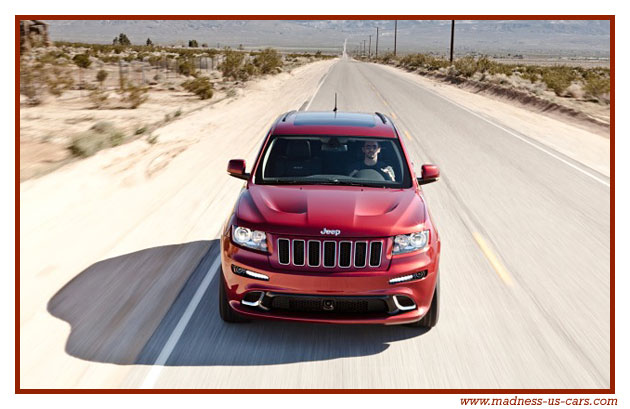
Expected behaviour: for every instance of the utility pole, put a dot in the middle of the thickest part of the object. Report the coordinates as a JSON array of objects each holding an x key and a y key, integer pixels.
[
  {"x": 395, "y": 34},
  {"x": 364, "y": 48},
  {"x": 452, "y": 38},
  {"x": 370, "y": 47},
  {"x": 376, "y": 42}
]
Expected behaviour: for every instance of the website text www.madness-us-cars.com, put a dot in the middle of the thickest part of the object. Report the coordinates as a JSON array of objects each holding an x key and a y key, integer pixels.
[{"x": 516, "y": 401}]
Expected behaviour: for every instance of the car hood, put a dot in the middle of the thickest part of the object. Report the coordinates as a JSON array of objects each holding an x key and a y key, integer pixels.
[{"x": 353, "y": 211}]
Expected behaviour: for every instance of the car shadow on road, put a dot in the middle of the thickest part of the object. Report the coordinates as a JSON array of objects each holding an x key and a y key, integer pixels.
[{"x": 124, "y": 309}]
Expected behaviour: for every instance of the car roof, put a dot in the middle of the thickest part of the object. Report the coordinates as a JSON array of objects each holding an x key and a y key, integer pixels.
[{"x": 335, "y": 123}]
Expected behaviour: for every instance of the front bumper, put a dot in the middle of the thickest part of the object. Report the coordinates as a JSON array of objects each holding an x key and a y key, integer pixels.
[{"x": 340, "y": 287}]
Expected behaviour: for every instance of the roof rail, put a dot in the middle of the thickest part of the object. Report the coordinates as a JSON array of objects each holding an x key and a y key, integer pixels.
[
  {"x": 284, "y": 118},
  {"x": 382, "y": 117}
]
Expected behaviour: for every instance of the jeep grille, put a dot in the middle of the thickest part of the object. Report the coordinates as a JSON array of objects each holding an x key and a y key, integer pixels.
[{"x": 330, "y": 253}]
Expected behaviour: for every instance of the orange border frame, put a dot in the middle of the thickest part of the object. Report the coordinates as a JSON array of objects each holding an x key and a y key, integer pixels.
[{"x": 611, "y": 18}]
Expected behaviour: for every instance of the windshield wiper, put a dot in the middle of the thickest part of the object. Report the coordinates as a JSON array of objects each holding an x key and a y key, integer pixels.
[
  {"x": 276, "y": 181},
  {"x": 346, "y": 182},
  {"x": 331, "y": 181}
]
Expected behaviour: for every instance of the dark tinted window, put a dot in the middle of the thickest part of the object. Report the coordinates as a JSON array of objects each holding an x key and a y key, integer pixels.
[{"x": 333, "y": 160}]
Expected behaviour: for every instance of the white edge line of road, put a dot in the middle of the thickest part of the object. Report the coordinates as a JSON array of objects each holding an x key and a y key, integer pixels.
[
  {"x": 173, "y": 339},
  {"x": 515, "y": 135},
  {"x": 323, "y": 80}
]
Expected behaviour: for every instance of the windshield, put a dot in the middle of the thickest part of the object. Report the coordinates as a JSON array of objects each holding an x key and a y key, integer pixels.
[{"x": 328, "y": 160}]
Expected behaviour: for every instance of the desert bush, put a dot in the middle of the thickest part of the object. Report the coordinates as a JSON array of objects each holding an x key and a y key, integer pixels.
[
  {"x": 435, "y": 63},
  {"x": 530, "y": 76},
  {"x": 498, "y": 68},
  {"x": 484, "y": 64},
  {"x": 98, "y": 97},
  {"x": 36, "y": 78},
  {"x": 53, "y": 58},
  {"x": 200, "y": 86},
  {"x": 596, "y": 85},
  {"x": 186, "y": 66},
  {"x": 32, "y": 83},
  {"x": 558, "y": 78},
  {"x": 155, "y": 60},
  {"x": 100, "y": 136},
  {"x": 58, "y": 80},
  {"x": 249, "y": 70},
  {"x": 140, "y": 130},
  {"x": 101, "y": 76},
  {"x": 82, "y": 60},
  {"x": 134, "y": 95},
  {"x": 268, "y": 60},
  {"x": 386, "y": 58},
  {"x": 413, "y": 61},
  {"x": 466, "y": 66},
  {"x": 231, "y": 64},
  {"x": 111, "y": 59}
]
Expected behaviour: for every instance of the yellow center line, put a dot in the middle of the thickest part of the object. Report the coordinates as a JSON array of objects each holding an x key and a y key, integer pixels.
[
  {"x": 407, "y": 134},
  {"x": 393, "y": 115},
  {"x": 494, "y": 260}
]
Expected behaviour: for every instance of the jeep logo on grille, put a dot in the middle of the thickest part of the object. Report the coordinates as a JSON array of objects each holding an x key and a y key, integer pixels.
[{"x": 333, "y": 232}]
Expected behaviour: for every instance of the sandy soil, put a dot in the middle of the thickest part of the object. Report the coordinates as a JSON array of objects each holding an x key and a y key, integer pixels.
[
  {"x": 100, "y": 217},
  {"x": 47, "y": 129}
]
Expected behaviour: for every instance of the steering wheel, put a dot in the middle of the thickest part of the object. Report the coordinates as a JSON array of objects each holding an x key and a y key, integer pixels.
[{"x": 369, "y": 174}]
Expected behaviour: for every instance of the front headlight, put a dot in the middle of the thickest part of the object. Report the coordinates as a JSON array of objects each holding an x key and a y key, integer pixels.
[
  {"x": 406, "y": 243},
  {"x": 254, "y": 239}
]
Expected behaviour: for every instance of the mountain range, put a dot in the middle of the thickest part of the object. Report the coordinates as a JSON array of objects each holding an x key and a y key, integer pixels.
[{"x": 588, "y": 38}]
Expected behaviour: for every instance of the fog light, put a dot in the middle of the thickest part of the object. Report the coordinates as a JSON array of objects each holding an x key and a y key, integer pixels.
[
  {"x": 240, "y": 271},
  {"x": 409, "y": 277}
]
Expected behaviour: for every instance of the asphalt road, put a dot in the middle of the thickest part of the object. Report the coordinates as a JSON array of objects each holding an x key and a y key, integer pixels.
[{"x": 525, "y": 276}]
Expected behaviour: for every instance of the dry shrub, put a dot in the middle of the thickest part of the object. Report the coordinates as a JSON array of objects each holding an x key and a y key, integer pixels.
[
  {"x": 199, "y": 86},
  {"x": 597, "y": 85},
  {"x": 267, "y": 61},
  {"x": 58, "y": 80},
  {"x": 101, "y": 76},
  {"x": 466, "y": 66},
  {"x": 134, "y": 95},
  {"x": 231, "y": 64},
  {"x": 32, "y": 83},
  {"x": 558, "y": 78},
  {"x": 186, "y": 66},
  {"x": 98, "y": 97},
  {"x": 100, "y": 136}
]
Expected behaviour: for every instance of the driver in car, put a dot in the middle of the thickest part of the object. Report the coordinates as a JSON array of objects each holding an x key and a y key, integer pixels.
[{"x": 371, "y": 149}]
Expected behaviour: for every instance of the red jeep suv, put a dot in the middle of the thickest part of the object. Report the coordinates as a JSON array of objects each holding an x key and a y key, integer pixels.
[{"x": 331, "y": 226}]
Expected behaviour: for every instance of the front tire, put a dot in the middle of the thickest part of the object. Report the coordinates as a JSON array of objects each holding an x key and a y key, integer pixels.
[
  {"x": 430, "y": 319},
  {"x": 226, "y": 312}
]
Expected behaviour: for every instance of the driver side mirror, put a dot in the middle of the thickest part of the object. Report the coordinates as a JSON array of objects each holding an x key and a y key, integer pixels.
[
  {"x": 236, "y": 168},
  {"x": 430, "y": 173}
]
